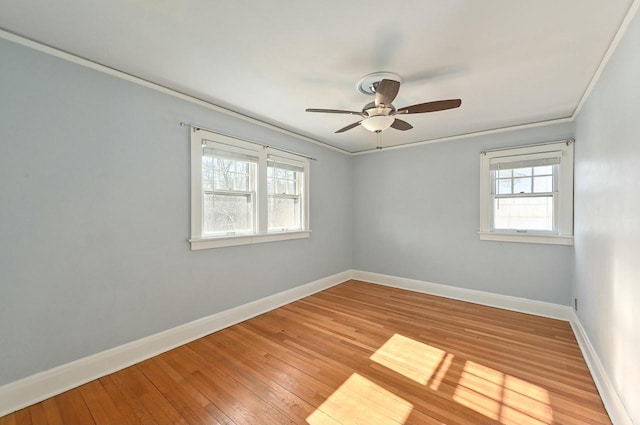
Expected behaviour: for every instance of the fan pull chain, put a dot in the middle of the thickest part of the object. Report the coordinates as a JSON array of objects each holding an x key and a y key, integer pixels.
[{"x": 379, "y": 144}]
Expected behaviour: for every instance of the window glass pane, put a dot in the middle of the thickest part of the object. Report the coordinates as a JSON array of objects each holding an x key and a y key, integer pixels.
[
  {"x": 232, "y": 174},
  {"x": 228, "y": 214},
  {"x": 535, "y": 213},
  {"x": 547, "y": 169},
  {"x": 281, "y": 186},
  {"x": 280, "y": 173},
  {"x": 269, "y": 171},
  {"x": 242, "y": 182},
  {"x": 291, "y": 187},
  {"x": 223, "y": 180},
  {"x": 504, "y": 173},
  {"x": 503, "y": 186},
  {"x": 270, "y": 185},
  {"x": 219, "y": 182},
  {"x": 522, "y": 185},
  {"x": 522, "y": 172},
  {"x": 543, "y": 184},
  {"x": 207, "y": 180},
  {"x": 284, "y": 213}
]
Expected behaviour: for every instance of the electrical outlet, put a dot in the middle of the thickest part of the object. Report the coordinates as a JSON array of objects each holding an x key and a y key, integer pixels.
[{"x": 575, "y": 304}]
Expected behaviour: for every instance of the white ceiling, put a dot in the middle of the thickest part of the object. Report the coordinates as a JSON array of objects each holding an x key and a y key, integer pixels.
[{"x": 511, "y": 62}]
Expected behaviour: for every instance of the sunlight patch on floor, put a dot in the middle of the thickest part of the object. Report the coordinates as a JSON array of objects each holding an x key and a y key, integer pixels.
[
  {"x": 413, "y": 359},
  {"x": 359, "y": 401},
  {"x": 502, "y": 397},
  {"x": 487, "y": 391}
]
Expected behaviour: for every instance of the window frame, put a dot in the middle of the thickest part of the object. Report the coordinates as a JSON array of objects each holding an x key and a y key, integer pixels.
[
  {"x": 562, "y": 190},
  {"x": 200, "y": 138}
]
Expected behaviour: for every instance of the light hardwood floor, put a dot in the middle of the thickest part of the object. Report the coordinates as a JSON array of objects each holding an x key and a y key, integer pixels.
[{"x": 357, "y": 353}]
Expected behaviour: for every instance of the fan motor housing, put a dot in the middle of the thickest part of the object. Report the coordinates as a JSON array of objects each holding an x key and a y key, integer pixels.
[
  {"x": 371, "y": 110},
  {"x": 367, "y": 84}
]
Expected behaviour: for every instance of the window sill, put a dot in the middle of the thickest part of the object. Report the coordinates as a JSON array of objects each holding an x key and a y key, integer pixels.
[
  {"x": 526, "y": 238},
  {"x": 197, "y": 244}
]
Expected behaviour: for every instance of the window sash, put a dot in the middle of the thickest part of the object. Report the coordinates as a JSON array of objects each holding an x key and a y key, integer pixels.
[
  {"x": 298, "y": 213},
  {"x": 516, "y": 230},
  {"x": 533, "y": 177},
  {"x": 274, "y": 181},
  {"x": 251, "y": 220}
]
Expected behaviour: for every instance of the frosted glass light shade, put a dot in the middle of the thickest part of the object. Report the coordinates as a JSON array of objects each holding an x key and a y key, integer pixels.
[{"x": 377, "y": 122}]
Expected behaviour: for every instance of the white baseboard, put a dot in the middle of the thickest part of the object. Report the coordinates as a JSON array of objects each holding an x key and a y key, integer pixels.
[
  {"x": 610, "y": 398},
  {"x": 506, "y": 302},
  {"x": 35, "y": 388}
]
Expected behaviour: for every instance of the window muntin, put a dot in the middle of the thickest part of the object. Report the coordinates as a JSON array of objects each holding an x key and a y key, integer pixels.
[
  {"x": 524, "y": 180},
  {"x": 243, "y": 192},
  {"x": 526, "y": 194}
]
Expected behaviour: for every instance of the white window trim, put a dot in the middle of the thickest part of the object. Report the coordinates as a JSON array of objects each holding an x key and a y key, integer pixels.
[
  {"x": 564, "y": 235},
  {"x": 219, "y": 242},
  {"x": 262, "y": 234}
]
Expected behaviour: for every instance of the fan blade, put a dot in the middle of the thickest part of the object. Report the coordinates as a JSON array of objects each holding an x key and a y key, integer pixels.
[
  {"x": 439, "y": 105},
  {"x": 334, "y": 111},
  {"x": 386, "y": 91},
  {"x": 401, "y": 125},
  {"x": 349, "y": 127}
]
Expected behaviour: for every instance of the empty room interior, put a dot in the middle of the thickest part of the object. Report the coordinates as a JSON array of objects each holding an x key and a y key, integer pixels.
[{"x": 341, "y": 213}]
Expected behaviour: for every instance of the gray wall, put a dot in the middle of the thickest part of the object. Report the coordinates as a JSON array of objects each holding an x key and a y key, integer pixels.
[
  {"x": 416, "y": 215},
  {"x": 94, "y": 216},
  {"x": 607, "y": 219}
]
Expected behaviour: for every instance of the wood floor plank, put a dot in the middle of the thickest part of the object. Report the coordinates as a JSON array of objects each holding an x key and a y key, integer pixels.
[
  {"x": 223, "y": 389},
  {"x": 354, "y": 353},
  {"x": 125, "y": 404},
  {"x": 74, "y": 409},
  {"x": 103, "y": 408},
  {"x": 250, "y": 376},
  {"x": 52, "y": 411},
  {"x": 21, "y": 417},
  {"x": 38, "y": 415},
  {"x": 193, "y": 389},
  {"x": 151, "y": 404},
  {"x": 8, "y": 419}
]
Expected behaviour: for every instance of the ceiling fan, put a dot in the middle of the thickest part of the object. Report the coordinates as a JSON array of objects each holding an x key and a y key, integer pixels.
[{"x": 381, "y": 114}]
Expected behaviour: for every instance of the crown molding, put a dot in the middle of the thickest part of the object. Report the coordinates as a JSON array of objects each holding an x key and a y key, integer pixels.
[{"x": 79, "y": 60}]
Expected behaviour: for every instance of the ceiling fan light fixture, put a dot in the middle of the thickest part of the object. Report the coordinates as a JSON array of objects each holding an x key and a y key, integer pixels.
[
  {"x": 377, "y": 123},
  {"x": 379, "y": 115}
]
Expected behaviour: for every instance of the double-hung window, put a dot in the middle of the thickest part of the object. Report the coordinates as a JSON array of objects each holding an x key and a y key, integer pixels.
[
  {"x": 527, "y": 194},
  {"x": 285, "y": 180},
  {"x": 243, "y": 192}
]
